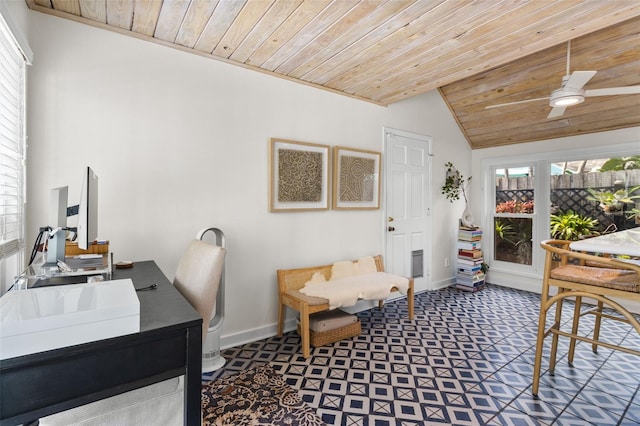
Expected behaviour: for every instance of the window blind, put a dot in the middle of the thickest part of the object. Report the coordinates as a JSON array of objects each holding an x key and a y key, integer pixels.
[{"x": 12, "y": 143}]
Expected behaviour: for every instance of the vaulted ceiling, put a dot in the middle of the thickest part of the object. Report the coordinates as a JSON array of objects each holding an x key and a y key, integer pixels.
[{"x": 477, "y": 52}]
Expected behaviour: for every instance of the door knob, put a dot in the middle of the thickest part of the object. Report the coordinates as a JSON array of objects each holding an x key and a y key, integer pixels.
[
  {"x": 391, "y": 229},
  {"x": 390, "y": 219}
]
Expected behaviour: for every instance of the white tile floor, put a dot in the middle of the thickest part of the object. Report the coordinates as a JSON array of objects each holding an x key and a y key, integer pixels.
[{"x": 467, "y": 359}]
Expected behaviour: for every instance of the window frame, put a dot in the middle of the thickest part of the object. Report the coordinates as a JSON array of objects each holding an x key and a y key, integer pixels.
[{"x": 492, "y": 215}]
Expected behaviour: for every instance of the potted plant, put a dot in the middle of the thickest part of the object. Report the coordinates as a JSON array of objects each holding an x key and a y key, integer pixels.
[
  {"x": 454, "y": 185},
  {"x": 613, "y": 202}
]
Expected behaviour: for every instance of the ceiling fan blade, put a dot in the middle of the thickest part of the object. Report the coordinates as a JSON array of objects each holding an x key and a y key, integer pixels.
[
  {"x": 516, "y": 102},
  {"x": 556, "y": 112},
  {"x": 626, "y": 90},
  {"x": 579, "y": 79}
]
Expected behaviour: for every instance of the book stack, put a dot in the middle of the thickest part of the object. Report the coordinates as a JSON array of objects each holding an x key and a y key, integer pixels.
[{"x": 469, "y": 276}]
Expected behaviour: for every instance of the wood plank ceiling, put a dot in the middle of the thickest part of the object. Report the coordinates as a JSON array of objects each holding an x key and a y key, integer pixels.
[{"x": 477, "y": 52}]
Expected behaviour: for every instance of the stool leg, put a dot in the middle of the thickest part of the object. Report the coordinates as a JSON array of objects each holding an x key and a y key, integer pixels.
[
  {"x": 539, "y": 344},
  {"x": 596, "y": 328},
  {"x": 554, "y": 339},
  {"x": 574, "y": 328}
]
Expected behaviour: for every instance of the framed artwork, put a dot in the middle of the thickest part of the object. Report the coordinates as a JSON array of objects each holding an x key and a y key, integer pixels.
[
  {"x": 298, "y": 176},
  {"x": 356, "y": 179}
]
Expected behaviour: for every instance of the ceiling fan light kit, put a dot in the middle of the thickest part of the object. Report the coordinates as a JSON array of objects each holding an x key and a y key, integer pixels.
[{"x": 564, "y": 98}]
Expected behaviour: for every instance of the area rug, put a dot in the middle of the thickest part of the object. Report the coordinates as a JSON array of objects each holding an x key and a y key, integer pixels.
[{"x": 259, "y": 396}]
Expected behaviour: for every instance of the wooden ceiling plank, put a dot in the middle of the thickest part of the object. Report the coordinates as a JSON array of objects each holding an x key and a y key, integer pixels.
[
  {"x": 341, "y": 62},
  {"x": 120, "y": 13},
  {"x": 579, "y": 115},
  {"x": 400, "y": 58},
  {"x": 172, "y": 14},
  {"x": 270, "y": 22},
  {"x": 96, "y": 10},
  {"x": 43, "y": 3},
  {"x": 459, "y": 66},
  {"x": 377, "y": 57},
  {"x": 195, "y": 20},
  {"x": 519, "y": 80},
  {"x": 145, "y": 16},
  {"x": 325, "y": 39},
  {"x": 221, "y": 19},
  {"x": 287, "y": 30},
  {"x": 69, "y": 6},
  {"x": 337, "y": 39},
  {"x": 306, "y": 35},
  {"x": 244, "y": 23},
  {"x": 458, "y": 71},
  {"x": 486, "y": 40}
]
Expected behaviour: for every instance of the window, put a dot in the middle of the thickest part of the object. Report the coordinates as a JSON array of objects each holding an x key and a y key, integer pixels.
[
  {"x": 12, "y": 151},
  {"x": 513, "y": 215},
  {"x": 594, "y": 196}
]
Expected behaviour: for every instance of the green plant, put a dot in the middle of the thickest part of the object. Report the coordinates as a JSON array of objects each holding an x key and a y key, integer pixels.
[
  {"x": 454, "y": 184},
  {"x": 503, "y": 230},
  {"x": 571, "y": 226},
  {"x": 611, "y": 202}
]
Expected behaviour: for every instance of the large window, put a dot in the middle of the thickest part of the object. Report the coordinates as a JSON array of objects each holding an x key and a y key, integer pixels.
[
  {"x": 594, "y": 196},
  {"x": 12, "y": 151},
  {"x": 564, "y": 195}
]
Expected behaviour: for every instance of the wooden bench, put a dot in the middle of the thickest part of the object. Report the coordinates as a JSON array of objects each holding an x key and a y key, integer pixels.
[
  {"x": 290, "y": 281},
  {"x": 581, "y": 275}
]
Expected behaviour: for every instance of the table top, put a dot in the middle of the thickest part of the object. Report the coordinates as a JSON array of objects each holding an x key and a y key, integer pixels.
[{"x": 622, "y": 242}]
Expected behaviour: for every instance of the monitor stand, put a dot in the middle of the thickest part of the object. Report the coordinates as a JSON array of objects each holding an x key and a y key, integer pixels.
[{"x": 56, "y": 248}]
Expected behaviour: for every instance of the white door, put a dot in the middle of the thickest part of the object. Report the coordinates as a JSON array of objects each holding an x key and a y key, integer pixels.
[{"x": 407, "y": 205}]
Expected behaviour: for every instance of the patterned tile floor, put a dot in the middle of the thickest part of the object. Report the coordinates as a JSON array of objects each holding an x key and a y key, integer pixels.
[{"x": 467, "y": 359}]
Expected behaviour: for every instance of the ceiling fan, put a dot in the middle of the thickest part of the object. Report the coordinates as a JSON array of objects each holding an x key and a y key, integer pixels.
[{"x": 572, "y": 93}]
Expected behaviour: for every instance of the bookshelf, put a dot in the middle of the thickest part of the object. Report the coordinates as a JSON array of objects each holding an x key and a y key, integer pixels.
[{"x": 469, "y": 274}]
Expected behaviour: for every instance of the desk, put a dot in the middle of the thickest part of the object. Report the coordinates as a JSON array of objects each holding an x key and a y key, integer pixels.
[
  {"x": 168, "y": 345},
  {"x": 622, "y": 242}
]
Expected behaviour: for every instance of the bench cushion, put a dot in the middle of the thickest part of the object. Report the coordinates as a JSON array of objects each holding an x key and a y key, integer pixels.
[{"x": 618, "y": 279}]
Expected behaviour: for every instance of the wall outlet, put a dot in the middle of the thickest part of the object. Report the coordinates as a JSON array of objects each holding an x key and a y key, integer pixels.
[{"x": 446, "y": 262}]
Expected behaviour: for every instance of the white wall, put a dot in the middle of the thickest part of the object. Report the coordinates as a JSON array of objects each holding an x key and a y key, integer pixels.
[{"x": 180, "y": 143}]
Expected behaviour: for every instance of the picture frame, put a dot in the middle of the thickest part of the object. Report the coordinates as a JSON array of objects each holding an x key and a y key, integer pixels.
[
  {"x": 298, "y": 176},
  {"x": 356, "y": 179}
]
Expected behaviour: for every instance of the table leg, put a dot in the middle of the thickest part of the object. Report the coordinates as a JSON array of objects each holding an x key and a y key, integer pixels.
[{"x": 193, "y": 378}]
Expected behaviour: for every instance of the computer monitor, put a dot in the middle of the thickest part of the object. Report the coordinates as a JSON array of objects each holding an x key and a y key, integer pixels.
[{"x": 88, "y": 210}]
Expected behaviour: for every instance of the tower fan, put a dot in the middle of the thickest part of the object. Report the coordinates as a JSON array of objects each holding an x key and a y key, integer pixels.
[{"x": 211, "y": 359}]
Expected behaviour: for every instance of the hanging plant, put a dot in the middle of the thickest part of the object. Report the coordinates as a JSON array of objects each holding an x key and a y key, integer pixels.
[{"x": 454, "y": 184}]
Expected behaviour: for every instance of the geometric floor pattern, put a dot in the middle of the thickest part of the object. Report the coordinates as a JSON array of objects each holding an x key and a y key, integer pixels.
[{"x": 466, "y": 359}]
